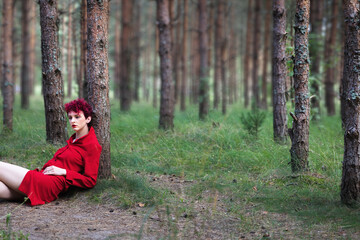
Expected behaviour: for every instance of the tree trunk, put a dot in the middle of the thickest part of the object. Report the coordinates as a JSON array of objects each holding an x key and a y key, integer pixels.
[
  {"x": 7, "y": 70},
  {"x": 176, "y": 55},
  {"x": 156, "y": 70},
  {"x": 166, "y": 99},
  {"x": 76, "y": 58},
  {"x": 316, "y": 19},
  {"x": 350, "y": 184},
  {"x": 117, "y": 52},
  {"x": 256, "y": 46},
  {"x": 267, "y": 37},
  {"x": 184, "y": 59},
  {"x": 248, "y": 53},
  {"x": 217, "y": 49},
  {"x": 279, "y": 71},
  {"x": 299, "y": 133},
  {"x": 98, "y": 73},
  {"x": 83, "y": 51},
  {"x": 125, "y": 88},
  {"x": 331, "y": 63},
  {"x": 25, "y": 55},
  {"x": 69, "y": 51},
  {"x": 51, "y": 74},
  {"x": 203, "y": 51},
  {"x": 32, "y": 45},
  {"x": 137, "y": 53}
]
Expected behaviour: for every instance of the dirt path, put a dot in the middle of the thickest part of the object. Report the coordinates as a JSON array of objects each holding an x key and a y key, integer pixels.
[{"x": 76, "y": 218}]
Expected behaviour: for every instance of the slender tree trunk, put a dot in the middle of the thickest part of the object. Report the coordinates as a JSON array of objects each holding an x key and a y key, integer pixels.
[
  {"x": 224, "y": 82},
  {"x": 98, "y": 73},
  {"x": 256, "y": 46},
  {"x": 217, "y": 49},
  {"x": 299, "y": 133},
  {"x": 117, "y": 58},
  {"x": 176, "y": 55},
  {"x": 51, "y": 74},
  {"x": 69, "y": 51},
  {"x": 279, "y": 71},
  {"x": 156, "y": 70},
  {"x": 350, "y": 184},
  {"x": 184, "y": 59},
  {"x": 32, "y": 45},
  {"x": 248, "y": 53},
  {"x": 76, "y": 58},
  {"x": 137, "y": 53},
  {"x": 26, "y": 55},
  {"x": 267, "y": 37},
  {"x": 316, "y": 19},
  {"x": 331, "y": 66},
  {"x": 7, "y": 70},
  {"x": 125, "y": 88},
  {"x": 83, "y": 52},
  {"x": 166, "y": 100},
  {"x": 203, "y": 51}
]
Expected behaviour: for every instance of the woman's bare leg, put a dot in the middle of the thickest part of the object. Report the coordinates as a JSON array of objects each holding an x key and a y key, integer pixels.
[
  {"x": 9, "y": 194},
  {"x": 11, "y": 176}
]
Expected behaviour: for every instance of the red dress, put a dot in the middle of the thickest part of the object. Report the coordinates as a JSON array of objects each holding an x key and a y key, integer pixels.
[{"x": 81, "y": 161}]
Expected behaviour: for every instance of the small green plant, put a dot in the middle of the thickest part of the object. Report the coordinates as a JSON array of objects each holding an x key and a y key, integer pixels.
[
  {"x": 253, "y": 120},
  {"x": 8, "y": 234}
]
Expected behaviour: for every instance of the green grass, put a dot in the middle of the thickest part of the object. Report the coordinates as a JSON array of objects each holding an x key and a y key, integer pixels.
[{"x": 218, "y": 154}]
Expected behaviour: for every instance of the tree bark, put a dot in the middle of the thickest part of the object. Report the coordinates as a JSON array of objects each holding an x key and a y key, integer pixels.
[
  {"x": 25, "y": 55},
  {"x": 279, "y": 71},
  {"x": 299, "y": 133},
  {"x": 51, "y": 74},
  {"x": 83, "y": 52},
  {"x": 350, "y": 184},
  {"x": 166, "y": 99},
  {"x": 184, "y": 59},
  {"x": 248, "y": 53},
  {"x": 32, "y": 45},
  {"x": 125, "y": 88},
  {"x": 203, "y": 51},
  {"x": 137, "y": 53},
  {"x": 98, "y": 73},
  {"x": 7, "y": 68},
  {"x": 117, "y": 52},
  {"x": 330, "y": 62}
]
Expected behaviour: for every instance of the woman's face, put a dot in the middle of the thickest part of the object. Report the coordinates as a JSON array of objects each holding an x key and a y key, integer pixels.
[{"x": 78, "y": 121}]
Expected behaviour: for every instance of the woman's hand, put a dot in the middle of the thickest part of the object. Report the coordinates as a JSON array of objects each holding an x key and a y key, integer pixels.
[{"x": 53, "y": 170}]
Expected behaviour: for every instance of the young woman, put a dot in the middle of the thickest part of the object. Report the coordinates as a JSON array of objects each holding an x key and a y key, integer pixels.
[{"x": 76, "y": 164}]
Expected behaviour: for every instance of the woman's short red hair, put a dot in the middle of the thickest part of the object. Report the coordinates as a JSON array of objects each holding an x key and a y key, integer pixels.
[{"x": 79, "y": 105}]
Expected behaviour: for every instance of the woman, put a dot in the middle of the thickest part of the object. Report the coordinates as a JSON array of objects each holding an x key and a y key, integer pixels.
[{"x": 76, "y": 164}]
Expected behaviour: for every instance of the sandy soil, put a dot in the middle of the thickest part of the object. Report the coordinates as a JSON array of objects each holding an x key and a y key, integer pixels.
[{"x": 77, "y": 218}]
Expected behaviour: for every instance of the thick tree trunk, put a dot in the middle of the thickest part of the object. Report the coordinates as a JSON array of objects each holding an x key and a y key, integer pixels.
[
  {"x": 125, "y": 88},
  {"x": 69, "y": 51},
  {"x": 7, "y": 68},
  {"x": 316, "y": 19},
  {"x": 203, "y": 51},
  {"x": 267, "y": 37},
  {"x": 25, "y": 55},
  {"x": 166, "y": 99},
  {"x": 299, "y": 133},
  {"x": 83, "y": 52},
  {"x": 350, "y": 184},
  {"x": 248, "y": 53},
  {"x": 184, "y": 59},
  {"x": 51, "y": 74},
  {"x": 98, "y": 73},
  {"x": 331, "y": 63},
  {"x": 256, "y": 46},
  {"x": 279, "y": 71}
]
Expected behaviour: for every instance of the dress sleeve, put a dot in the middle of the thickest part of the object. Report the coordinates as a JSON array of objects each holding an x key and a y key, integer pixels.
[{"x": 88, "y": 178}]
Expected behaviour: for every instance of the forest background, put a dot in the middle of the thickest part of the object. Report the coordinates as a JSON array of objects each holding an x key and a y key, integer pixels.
[{"x": 218, "y": 167}]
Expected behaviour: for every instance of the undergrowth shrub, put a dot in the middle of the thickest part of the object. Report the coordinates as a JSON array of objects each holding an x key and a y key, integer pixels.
[{"x": 253, "y": 120}]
